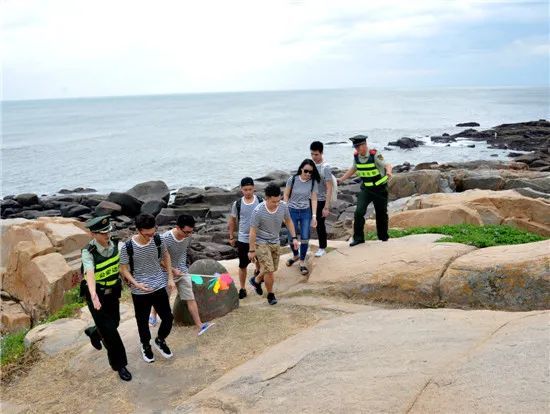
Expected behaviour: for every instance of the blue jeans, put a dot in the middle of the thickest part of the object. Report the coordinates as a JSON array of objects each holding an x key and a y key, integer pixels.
[{"x": 302, "y": 222}]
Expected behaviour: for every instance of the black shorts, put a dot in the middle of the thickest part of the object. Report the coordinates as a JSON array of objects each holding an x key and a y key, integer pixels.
[{"x": 242, "y": 250}]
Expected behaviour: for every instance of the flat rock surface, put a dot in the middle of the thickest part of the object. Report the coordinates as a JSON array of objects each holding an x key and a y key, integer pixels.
[{"x": 395, "y": 361}]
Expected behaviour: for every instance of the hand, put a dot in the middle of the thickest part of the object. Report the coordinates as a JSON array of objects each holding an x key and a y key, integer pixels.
[
  {"x": 171, "y": 285},
  {"x": 389, "y": 174},
  {"x": 95, "y": 301},
  {"x": 296, "y": 244},
  {"x": 142, "y": 286},
  {"x": 326, "y": 212},
  {"x": 176, "y": 272},
  {"x": 314, "y": 222},
  {"x": 232, "y": 242},
  {"x": 251, "y": 256}
]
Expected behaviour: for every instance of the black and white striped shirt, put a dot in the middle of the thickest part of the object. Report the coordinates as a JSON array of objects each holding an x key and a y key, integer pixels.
[
  {"x": 147, "y": 268},
  {"x": 267, "y": 224},
  {"x": 177, "y": 250}
]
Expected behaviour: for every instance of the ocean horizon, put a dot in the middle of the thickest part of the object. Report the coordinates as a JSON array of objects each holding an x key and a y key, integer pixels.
[{"x": 113, "y": 143}]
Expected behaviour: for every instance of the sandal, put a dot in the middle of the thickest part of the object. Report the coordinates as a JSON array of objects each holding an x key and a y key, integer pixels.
[
  {"x": 291, "y": 261},
  {"x": 303, "y": 270}
]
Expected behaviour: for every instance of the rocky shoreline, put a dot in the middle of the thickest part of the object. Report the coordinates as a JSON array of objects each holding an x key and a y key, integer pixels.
[{"x": 527, "y": 173}]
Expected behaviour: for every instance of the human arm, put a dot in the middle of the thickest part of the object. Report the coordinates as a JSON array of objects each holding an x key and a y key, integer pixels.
[
  {"x": 168, "y": 262},
  {"x": 232, "y": 225},
  {"x": 389, "y": 170},
  {"x": 252, "y": 244},
  {"x": 328, "y": 197},
  {"x": 125, "y": 272},
  {"x": 347, "y": 175},
  {"x": 88, "y": 264},
  {"x": 314, "y": 209},
  {"x": 290, "y": 226}
]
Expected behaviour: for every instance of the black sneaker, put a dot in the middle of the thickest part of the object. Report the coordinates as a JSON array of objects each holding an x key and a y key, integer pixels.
[
  {"x": 147, "y": 353},
  {"x": 356, "y": 242},
  {"x": 242, "y": 293},
  {"x": 271, "y": 299},
  {"x": 95, "y": 339},
  {"x": 162, "y": 347},
  {"x": 257, "y": 286}
]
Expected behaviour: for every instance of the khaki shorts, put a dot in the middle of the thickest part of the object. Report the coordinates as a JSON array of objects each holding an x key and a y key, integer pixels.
[
  {"x": 268, "y": 257},
  {"x": 185, "y": 288}
]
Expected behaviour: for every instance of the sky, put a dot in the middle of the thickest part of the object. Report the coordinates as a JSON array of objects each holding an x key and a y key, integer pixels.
[{"x": 75, "y": 48}]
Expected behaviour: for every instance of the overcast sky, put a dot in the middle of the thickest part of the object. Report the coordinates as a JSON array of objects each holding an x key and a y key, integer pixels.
[{"x": 67, "y": 48}]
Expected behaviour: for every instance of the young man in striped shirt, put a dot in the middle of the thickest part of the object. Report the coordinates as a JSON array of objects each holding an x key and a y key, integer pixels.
[
  {"x": 177, "y": 241},
  {"x": 241, "y": 212},
  {"x": 264, "y": 242},
  {"x": 141, "y": 268}
]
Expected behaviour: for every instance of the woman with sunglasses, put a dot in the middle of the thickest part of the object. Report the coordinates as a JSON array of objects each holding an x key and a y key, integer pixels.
[{"x": 301, "y": 196}]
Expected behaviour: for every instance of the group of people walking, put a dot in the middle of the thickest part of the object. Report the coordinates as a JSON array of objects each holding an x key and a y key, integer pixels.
[{"x": 154, "y": 265}]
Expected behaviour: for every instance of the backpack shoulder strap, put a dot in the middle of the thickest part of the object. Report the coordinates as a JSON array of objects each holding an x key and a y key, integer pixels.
[
  {"x": 260, "y": 199},
  {"x": 130, "y": 251},
  {"x": 238, "y": 205},
  {"x": 291, "y": 187},
  {"x": 158, "y": 242}
]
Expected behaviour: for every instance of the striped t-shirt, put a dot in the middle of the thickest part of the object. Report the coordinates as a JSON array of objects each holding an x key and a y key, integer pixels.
[
  {"x": 301, "y": 192},
  {"x": 147, "y": 268},
  {"x": 177, "y": 250},
  {"x": 267, "y": 224},
  {"x": 244, "y": 219}
]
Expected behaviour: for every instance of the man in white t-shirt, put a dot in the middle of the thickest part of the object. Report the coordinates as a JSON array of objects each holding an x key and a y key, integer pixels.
[
  {"x": 324, "y": 194},
  {"x": 177, "y": 241}
]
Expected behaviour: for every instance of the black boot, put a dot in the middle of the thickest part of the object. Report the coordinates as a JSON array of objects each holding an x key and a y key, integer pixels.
[
  {"x": 95, "y": 339},
  {"x": 356, "y": 242},
  {"x": 124, "y": 374}
]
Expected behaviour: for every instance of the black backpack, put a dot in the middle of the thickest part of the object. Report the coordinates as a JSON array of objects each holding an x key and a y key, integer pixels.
[
  {"x": 239, "y": 202},
  {"x": 130, "y": 250}
]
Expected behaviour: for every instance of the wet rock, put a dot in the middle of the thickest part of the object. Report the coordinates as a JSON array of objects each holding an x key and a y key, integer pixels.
[
  {"x": 27, "y": 199},
  {"x": 150, "y": 190},
  {"x": 443, "y": 139},
  {"x": 468, "y": 124},
  {"x": 75, "y": 210},
  {"x": 77, "y": 190},
  {"x": 406, "y": 143},
  {"x": 153, "y": 207},
  {"x": 106, "y": 208},
  {"x": 130, "y": 205}
]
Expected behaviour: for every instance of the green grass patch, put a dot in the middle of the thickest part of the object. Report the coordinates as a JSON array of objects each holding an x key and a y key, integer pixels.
[
  {"x": 478, "y": 236},
  {"x": 12, "y": 347},
  {"x": 73, "y": 302}
]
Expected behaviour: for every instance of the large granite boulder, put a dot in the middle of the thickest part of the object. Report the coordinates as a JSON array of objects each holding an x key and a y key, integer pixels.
[
  {"x": 405, "y": 270},
  {"x": 494, "y": 207},
  {"x": 13, "y": 317},
  {"x": 150, "y": 190},
  {"x": 27, "y": 199},
  {"x": 211, "y": 305},
  {"x": 418, "y": 182},
  {"x": 513, "y": 277},
  {"x": 153, "y": 207},
  {"x": 436, "y": 216}
]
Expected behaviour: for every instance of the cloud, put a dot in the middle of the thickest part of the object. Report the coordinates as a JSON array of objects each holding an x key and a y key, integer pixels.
[{"x": 69, "y": 47}]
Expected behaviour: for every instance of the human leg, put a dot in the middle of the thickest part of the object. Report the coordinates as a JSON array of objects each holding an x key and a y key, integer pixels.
[
  {"x": 359, "y": 217},
  {"x": 380, "y": 201},
  {"x": 321, "y": 225}
]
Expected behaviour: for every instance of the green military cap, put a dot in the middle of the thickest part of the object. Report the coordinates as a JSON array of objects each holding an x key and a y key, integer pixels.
[
  {"x": 358, "y": 140},
  {"x": 100, "y": 224}
]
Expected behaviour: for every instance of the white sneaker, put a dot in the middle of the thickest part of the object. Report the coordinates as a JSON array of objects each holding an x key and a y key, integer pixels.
[{"x": 320, "y": 252}]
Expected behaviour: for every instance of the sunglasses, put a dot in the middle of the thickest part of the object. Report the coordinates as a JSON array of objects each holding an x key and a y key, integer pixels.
[{"x": 307, "y": 171}]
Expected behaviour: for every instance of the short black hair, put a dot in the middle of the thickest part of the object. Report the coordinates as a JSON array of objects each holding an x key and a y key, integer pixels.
[
  {"x": 145, "y": 221},
  {"x": 186, "y": 220},
  {"x": 247, "y": 181},
  {"x": 316, "y": 146},
  {"x": 272, "y": 190}
]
